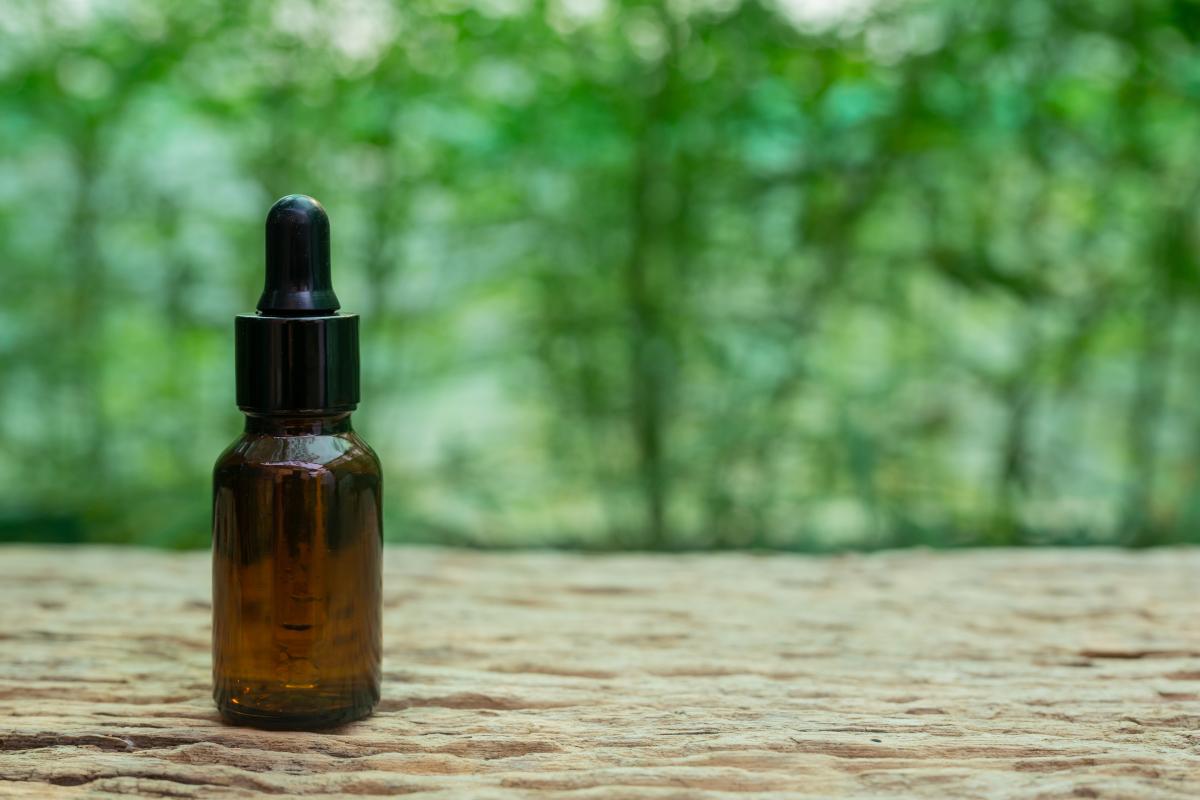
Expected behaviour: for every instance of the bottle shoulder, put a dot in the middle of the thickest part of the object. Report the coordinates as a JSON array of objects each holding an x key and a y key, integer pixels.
[
  {"x": 365, "y": 448},
  {"x": 334, "y": 452}
]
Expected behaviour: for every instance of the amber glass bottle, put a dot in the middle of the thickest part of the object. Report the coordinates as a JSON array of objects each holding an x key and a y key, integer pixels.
[{"x": 297, "y": 532}]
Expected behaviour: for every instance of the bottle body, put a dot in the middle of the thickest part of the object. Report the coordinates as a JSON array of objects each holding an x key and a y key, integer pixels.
[{"x": 297, "y": 572}]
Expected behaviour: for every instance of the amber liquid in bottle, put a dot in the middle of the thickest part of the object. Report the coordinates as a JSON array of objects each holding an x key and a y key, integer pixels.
[{"x": 297, "y": 546}]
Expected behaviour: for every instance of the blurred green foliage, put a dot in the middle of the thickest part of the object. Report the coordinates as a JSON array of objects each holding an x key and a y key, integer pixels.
[{"x": 806, "y": 274}]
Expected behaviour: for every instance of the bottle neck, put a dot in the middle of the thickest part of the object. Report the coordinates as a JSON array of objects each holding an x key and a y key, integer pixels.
[{"x": 298, "y": 425}]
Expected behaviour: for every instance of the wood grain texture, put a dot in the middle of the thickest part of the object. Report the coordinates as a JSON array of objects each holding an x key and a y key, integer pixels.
[{"x": 998, "y": 674}]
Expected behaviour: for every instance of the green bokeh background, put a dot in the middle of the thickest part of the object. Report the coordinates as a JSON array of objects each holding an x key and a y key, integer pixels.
[{"x": 806, "y": 274}]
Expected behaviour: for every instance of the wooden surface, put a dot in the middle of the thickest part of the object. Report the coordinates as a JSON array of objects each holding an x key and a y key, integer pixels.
[{"x": 991, "y": 674}]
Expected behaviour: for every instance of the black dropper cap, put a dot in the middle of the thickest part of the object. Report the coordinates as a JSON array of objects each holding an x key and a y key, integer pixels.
[
  {"x": 298, "y": 282},
  {"x": 298, "y": 354}
]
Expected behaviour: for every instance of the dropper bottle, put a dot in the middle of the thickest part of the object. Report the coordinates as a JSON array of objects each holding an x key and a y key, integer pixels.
[{"x": 297, "y": 526}]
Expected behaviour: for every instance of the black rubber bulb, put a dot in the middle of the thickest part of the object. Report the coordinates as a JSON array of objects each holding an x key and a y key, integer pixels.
[{"x": 298, "y": 282}]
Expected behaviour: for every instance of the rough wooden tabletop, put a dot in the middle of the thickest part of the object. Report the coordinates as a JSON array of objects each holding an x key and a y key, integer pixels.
[{"x": 913, "y": 674}]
